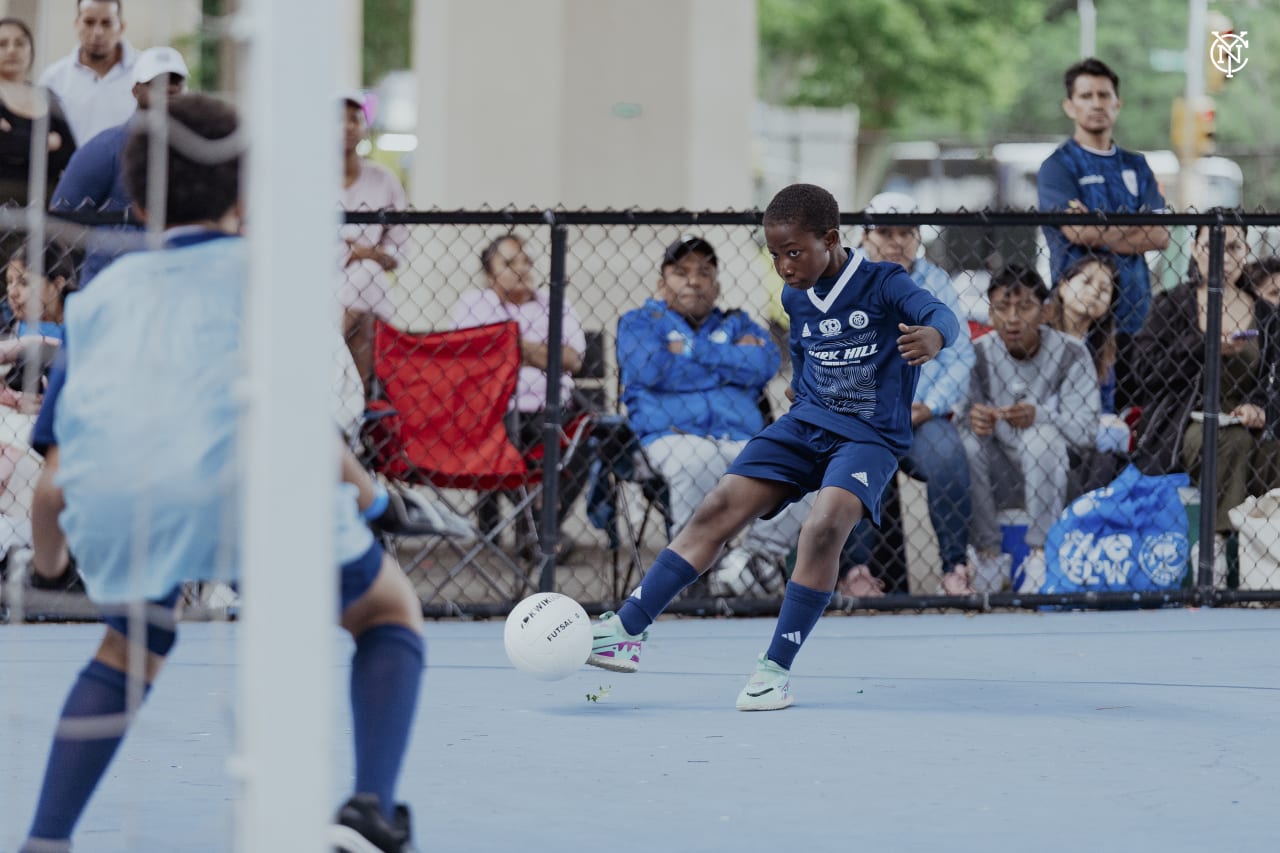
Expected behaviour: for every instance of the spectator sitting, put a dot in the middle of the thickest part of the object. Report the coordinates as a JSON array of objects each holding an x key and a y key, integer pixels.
[
  {"x": 1033, "y": 394},
  {"x": 511, "y": 295},
  {"x": 1171, "y": 351},
  {"x": 94, "y": 178},
  {"x": 22, "y": 106},
  {"x": 692, "y": 377},
  {"x": 937, "y": 453},
  {"x": 1264, "y": 277},
  {"x": 372, "y": 251},
  {"x": 19, "y": 464},
  {"x": 1089, "y": 172},
  {"x": 57, "y": 284},
  {"x": 1083, "y": 305},
  {"x": 95, "y": 81}
]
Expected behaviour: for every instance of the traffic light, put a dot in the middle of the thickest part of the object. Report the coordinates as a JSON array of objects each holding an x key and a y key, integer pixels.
[
  {"x": 1201, "y": 142},
  {"x": 1215, "y": 73}
]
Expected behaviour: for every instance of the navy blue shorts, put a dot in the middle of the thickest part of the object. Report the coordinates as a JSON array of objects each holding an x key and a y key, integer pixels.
[
  {"x": 356, "y": 577},
  {"x": 811, "y": 458}
]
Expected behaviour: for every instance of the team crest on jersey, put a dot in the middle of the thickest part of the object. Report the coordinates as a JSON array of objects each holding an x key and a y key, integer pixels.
[
  {"x": 805, "y": 333},
  {"x": 859, "y": 319},
  {"x": 829, "y": 327},
  {"x": 1130, "y": 178}
]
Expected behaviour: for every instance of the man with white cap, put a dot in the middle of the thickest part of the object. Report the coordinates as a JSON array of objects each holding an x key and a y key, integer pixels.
[
  {"x": 94, "y": 178},
  {"x": 937, "y": 454},
  {"x": 94, "y": 80}
]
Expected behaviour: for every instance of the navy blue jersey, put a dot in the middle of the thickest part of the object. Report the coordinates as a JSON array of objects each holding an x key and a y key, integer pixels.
[
  {"x": 1116, "y": 182},
  {"x": 849, "y": 376}
]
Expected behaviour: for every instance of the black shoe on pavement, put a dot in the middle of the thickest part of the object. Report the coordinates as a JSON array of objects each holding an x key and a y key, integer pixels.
[{"x": 361, "y": 828}]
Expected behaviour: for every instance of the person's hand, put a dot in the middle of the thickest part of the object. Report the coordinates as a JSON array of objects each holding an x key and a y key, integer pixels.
[
  {"x": 920, "y": 413},
  {"x": 982, "y": 419},
  {"x": 749, "y": 340},
  {"x": 675, "y": 346},
  {"x": 918, "y": 344},
  {"x": 10, "y": 398},
  {"x": 1251, "y": 416},
  {"x": 791, "y": 394},
  {"x": 365, "y": 252},
  {"x": 55, "y": 141},
  {"x": 1020, "y": 415},
  {"x": 358, "y": 252},
  {"x": 1076, "y": 206}
]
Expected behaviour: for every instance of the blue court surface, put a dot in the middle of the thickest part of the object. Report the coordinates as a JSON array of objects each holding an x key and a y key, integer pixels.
[{"x": 1133, "y": 731}]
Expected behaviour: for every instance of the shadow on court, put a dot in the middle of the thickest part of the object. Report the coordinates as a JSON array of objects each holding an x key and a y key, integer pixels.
[{"x": 1053, "y": 732}]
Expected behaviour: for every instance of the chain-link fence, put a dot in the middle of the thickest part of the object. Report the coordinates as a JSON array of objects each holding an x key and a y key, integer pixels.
[
  {"x": 1116, "y": 374},
  {"x": 675, "y": 349}
]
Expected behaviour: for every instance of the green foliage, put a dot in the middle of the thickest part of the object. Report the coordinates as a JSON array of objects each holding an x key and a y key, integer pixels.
[
  {"x": 387, "y": 38},
  {"x": 987, "y": 72},
  {"x": 1126, "y": 35},
  {"x": 938, "y": 59}
]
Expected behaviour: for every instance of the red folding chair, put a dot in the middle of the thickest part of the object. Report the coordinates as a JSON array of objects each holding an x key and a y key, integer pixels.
[{"x": 442, "y": 426}]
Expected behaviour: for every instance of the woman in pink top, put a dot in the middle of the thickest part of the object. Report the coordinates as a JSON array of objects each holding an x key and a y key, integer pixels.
[
  {"x": 512, "y": 295},
  {"x": 372, "y": 251}
]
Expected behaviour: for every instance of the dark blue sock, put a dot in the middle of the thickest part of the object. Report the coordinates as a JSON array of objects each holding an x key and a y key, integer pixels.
[
  {"x": 801, "y": 609},
  {"x": 666, "y": 578},
  {"x": 76, "y": 764},
  {"x": 386, "y": 671}
]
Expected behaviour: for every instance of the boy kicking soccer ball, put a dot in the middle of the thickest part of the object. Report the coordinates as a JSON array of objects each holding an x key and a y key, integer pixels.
[
  {"x": 859, "y": 332},
  {"x": 139, "y": 435}
]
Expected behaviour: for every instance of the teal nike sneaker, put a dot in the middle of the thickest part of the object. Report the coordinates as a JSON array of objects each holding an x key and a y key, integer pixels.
[
  {"x": 768, "y": 689},
  {"x": 612, "y": 647}
]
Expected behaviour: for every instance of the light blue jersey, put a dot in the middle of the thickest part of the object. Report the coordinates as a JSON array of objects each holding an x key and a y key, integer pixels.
[{"x": 147, "y": 421}]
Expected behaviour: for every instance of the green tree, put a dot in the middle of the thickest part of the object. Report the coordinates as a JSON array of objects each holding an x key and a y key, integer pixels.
[
  {"x": 900, "y": 62},
  {"x": 387, "y": 38},
  {"x": 982, "y": 73}
]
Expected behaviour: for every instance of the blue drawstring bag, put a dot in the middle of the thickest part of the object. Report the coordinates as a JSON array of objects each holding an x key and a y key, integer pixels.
[{"x": 1128, "y": 536}]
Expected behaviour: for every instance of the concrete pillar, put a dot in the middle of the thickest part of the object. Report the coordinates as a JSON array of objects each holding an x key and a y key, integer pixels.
[
  {"x": 584, "y": 103},
  {"x": 350, "y": 42}
]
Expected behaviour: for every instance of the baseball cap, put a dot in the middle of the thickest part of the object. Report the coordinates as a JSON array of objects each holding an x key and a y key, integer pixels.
[
  {"x": 684, "y": 246},
  {"x": 892, "y": 203},
  {"x": 155, "y": 61}
]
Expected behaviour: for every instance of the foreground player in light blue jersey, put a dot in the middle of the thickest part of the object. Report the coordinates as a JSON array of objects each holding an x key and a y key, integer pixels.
[
  {"x": 139, "y": 430},
  {"x": 859, "y": 333}
]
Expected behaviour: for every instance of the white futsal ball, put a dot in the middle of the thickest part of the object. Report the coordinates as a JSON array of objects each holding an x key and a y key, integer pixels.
[{"x": 548, "y": 635}]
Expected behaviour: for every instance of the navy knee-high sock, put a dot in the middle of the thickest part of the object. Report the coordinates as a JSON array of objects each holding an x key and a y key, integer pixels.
[
  {"x": 666, "y": 578},
  {"x": 76, "y": 764},
  {"x": 801, "y": 609},
  {"x": 386, "y": 671}
]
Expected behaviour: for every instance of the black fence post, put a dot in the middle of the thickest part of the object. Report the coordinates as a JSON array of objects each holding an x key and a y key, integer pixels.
[
  {"x": 549, "y": 535},
  {"x": 1210, "y": 404}
]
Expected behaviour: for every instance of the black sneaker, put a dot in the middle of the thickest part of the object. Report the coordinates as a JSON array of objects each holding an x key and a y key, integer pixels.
[{"x": 361, "y": 828}]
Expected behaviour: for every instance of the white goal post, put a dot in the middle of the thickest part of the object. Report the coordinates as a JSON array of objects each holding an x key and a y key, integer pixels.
[{"x": 285, "y": 731}]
